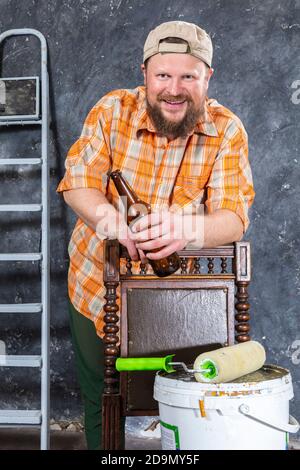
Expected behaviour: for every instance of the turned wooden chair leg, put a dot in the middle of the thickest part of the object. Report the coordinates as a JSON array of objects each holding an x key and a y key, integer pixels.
[
  {"x": 111, "y": 399},
  {"x": 242, "y": 316}
]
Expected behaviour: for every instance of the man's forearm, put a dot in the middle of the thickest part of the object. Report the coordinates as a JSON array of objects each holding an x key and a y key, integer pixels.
[
  {"x": 222, "y": 227},
  {"x": 219, "y": 228},
  {"x": 93, "y": 208}
]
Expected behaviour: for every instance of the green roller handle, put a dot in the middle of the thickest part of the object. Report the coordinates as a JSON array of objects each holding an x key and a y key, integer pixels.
[{"x": 144, "y": 363}]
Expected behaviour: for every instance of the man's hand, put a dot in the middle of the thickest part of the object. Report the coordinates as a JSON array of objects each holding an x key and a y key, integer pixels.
[
  {"x": 93, "y": 208},
  {"x": 112, "y": 224},
  {"x": 172, "y": 231},
  {"x": 125, "y": 238},
  {"x": 167, "y": 230}
]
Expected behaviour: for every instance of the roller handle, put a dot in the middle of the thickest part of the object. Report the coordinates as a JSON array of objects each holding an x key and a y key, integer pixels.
[{"x": 144, "y": 363}]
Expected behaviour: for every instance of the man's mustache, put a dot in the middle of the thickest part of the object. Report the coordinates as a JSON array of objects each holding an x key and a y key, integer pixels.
[{"x": 175, "y": 99}]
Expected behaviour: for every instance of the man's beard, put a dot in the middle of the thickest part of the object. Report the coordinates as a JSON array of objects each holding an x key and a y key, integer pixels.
[{"x": 175, "y": 129}]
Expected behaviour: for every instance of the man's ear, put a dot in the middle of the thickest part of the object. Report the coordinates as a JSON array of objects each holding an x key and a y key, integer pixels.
[
  {"x": 209, "y": 74},
  {"x": 143, "y": 69}
]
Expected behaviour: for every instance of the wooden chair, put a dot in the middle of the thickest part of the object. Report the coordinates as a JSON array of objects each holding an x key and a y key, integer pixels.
[{"x": 186, "y": 313}]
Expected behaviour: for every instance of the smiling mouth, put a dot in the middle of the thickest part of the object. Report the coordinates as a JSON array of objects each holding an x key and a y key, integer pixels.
[{"x": 174, "y": 103}]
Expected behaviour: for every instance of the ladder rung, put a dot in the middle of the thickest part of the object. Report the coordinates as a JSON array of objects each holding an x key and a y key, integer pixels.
[
  {"x": 7, "y": 360},
  {"x": 20, "y": 256},
  {"x": 20, "y": 207},
  {"x": 20, "y": 308},
  {"x": 20, "y": 122},
  {"x": 20, "y": 161},
  {"x": 20, "y": 417}
]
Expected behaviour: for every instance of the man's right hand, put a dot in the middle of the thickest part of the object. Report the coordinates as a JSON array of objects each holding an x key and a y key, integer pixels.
[
  {"x": 94, "y": 209},
  {"x": 126, "y": 240},
  {"x": 131, "y": 248},
  {"x": 112, "y": 224}
]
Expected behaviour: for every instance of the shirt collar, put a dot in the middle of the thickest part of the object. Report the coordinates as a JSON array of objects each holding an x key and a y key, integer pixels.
[{"x": 205, "y": 125}]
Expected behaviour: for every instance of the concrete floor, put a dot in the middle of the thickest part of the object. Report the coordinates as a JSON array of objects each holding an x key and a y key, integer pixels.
[{"x": 28, "y": 439}]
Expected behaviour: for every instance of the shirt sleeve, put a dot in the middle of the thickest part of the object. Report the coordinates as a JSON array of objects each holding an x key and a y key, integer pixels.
[
  {"x": 88, "y": 159},
  {"x": 230, "y": 185}
]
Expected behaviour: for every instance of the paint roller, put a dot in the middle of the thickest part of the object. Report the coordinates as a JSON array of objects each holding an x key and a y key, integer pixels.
[
  {"x": 230, "y": 363},
  {"x": 218, "y": 366}
]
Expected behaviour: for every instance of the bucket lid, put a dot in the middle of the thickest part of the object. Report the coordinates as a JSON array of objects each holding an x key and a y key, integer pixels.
[
  {"x": 267, "y": 372},
  {"x": 182, "y": 390},
  {"x": 267, "y": 378}
]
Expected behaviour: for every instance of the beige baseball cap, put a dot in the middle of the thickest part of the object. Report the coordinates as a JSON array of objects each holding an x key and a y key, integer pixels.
[{"x": 198, "y": 41}]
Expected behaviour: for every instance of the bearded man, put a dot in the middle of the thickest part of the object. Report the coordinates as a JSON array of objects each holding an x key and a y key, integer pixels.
[{"x": 181, "y": 152}]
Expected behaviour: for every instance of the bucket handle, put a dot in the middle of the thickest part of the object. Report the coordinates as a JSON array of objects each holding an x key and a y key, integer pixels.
[{"x": 292, "y": 426}]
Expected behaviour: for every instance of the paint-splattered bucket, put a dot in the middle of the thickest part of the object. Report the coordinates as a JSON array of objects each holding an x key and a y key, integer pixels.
[{"x": 249, "y": 413}]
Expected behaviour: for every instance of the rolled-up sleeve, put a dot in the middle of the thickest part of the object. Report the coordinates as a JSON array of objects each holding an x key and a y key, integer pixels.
[
  {"x": 88, "y": 159},
  {"x": 230, "y": 185}
]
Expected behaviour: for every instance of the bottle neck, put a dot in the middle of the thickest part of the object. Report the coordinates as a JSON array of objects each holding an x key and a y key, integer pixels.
[{"x": 123, "y": 188}]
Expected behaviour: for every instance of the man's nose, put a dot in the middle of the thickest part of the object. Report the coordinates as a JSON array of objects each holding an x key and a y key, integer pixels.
[{"x": 174, "y": 86}]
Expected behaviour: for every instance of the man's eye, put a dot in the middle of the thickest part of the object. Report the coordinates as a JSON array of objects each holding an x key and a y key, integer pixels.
[
  {"x": 163, "y": 75},
  {"x": 188, "y": 77}
]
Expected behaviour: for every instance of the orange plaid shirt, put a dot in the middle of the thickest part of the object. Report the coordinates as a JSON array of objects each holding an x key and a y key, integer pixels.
[{"x": 210, "y": 166}]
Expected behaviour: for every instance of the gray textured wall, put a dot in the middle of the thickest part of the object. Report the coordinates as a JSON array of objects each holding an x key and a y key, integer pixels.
[{"x": 96, "y": 46}]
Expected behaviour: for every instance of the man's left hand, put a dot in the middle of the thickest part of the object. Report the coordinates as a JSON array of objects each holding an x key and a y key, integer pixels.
[{"x": 167, "y": 230}]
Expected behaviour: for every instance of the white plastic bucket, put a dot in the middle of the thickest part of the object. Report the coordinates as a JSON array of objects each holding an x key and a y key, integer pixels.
[{"x": 251, "y": 414}]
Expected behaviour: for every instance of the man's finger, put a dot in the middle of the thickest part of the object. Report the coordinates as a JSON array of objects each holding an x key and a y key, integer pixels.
[
  {"x": 148, "y": 221},
  {"x": 152, "y": 244},
  {"x": 132, "y": 250},
  {"x": 151, "y": 234},
  {"x": 143, "y": 257},
  {"x": 163, "y": 253}
]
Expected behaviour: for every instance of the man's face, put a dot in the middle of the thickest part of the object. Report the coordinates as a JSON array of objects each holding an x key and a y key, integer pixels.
[{"x": 176, "y": 87}]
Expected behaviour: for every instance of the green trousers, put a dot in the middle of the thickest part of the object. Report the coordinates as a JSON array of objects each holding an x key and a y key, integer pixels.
[{"x": 89, "y": 360}]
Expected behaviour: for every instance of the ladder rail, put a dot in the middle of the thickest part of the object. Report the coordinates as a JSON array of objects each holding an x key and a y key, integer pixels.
[{"x": 45, "y": 245}]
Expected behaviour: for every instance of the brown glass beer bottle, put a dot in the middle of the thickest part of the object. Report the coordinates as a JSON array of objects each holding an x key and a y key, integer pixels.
[{"x": 135, "y": 209}]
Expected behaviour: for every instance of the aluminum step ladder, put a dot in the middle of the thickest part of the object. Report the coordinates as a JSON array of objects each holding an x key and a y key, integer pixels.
[{"x": 20, "y": 418}]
